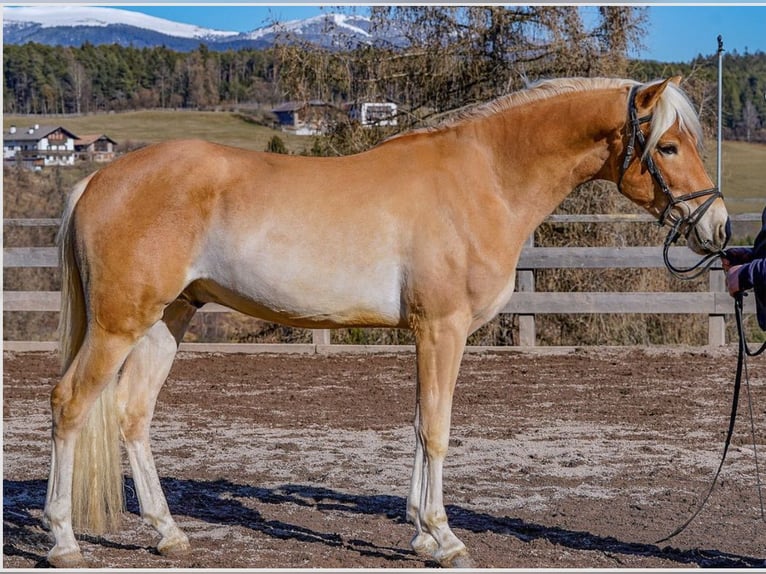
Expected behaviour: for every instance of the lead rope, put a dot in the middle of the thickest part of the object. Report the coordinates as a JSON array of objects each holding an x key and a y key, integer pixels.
[
  {"x": 743, "y": 352},
  {"x": 749, "y": 353}
]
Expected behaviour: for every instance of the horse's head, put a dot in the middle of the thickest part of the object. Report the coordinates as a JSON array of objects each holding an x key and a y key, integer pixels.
[{"x": 662, "y": 169}]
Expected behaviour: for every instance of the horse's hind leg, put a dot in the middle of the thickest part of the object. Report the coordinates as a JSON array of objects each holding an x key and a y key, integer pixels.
[
  {"x": 144, "y": 373},
  {"x": 95, "y": 366}
]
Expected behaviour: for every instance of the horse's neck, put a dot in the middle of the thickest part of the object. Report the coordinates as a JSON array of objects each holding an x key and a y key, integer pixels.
[{"x": 547, "y": 148}]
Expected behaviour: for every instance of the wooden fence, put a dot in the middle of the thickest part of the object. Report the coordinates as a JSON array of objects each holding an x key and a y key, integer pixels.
[{"x": 526, "y": 302}]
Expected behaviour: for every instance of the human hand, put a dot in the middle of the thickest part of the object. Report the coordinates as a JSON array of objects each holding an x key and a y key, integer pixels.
[{"x": 732, "y": 279}]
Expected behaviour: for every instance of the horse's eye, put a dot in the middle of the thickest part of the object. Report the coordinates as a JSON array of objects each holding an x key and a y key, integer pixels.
[{"x": 667, "y": 149}]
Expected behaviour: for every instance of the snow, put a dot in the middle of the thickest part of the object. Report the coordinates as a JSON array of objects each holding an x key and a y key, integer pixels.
[
  {"x": 343, "y": 21},
  {"x": 55, "y": 16},
  {"x": 298, "y": 26}
]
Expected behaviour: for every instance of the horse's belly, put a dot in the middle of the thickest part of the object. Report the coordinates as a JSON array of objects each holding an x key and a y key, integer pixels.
[{"x": 307, "y": 289}]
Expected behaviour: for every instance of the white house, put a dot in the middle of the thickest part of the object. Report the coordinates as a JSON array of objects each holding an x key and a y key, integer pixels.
[
  {"x": 39, "y": 146},
  {"x": 374, "y": 113}
]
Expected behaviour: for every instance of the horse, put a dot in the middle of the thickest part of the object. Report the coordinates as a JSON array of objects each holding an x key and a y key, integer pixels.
[{"x": 421, "y": 232}]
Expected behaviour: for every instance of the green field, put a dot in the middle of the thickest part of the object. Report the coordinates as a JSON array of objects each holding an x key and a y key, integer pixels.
[
  {"x": 744, "y": 165},
  {"x": 744, "y": 176},
  {"x": 157, "y": 125}
]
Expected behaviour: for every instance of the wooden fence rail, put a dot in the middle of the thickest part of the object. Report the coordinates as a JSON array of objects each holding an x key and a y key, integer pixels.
[{"x": 526, "y": 302}]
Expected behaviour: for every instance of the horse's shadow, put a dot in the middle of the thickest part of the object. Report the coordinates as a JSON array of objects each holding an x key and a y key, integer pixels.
[{"x": 226, "y": 503}]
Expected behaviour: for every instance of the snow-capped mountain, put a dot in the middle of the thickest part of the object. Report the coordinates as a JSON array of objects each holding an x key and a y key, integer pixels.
[
  {"x": 337, "y": 25},
  {"x": 75, "y": 25},
  {"x": 83, "y": 16}
]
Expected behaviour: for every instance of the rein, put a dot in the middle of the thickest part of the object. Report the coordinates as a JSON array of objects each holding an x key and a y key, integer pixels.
[
  {"x": 681, "y": 225},
  {"x": 693, "y": 271},
  {"x": 743, "y": 352}
]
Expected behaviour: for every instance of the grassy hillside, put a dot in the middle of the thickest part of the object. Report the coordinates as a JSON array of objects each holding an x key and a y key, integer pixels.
[
  {"x": 157, "y": 125},
  {"x": 744, "y": 176}
]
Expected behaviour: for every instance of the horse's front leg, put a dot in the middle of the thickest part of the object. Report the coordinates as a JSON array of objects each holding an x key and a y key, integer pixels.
[
  {"x": 422, "y": 543},
  {"x": 440, "y": 346}
]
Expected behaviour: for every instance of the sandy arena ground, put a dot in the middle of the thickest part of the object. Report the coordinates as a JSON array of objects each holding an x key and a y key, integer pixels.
[{"x": 581, "y": 459}]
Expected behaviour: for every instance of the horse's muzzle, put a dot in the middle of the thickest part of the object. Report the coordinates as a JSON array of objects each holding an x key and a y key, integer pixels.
[{"x": 711, "y": 233}]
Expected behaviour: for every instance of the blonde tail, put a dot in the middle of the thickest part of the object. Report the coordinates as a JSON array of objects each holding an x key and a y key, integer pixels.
[{"x": 97, "y": 485}]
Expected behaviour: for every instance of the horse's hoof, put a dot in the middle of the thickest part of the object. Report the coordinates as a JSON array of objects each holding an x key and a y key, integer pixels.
[
  {"x": 459, "y": 560},
  {"x": 66, "y": 560},
  {"x": 176, "y": 546},
  {"x": 424, "y": 545}
]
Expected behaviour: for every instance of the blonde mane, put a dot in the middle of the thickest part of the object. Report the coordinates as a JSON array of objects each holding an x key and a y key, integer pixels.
[
  {"x": 673, "y": 106},
  {"x": 541, "y": 90}
]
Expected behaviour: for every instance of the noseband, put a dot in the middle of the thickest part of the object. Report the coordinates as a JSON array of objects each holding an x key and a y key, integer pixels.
[{"x": 679, "y": 223}]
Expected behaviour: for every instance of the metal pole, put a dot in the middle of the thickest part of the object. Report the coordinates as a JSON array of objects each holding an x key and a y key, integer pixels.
[{"x": 720, "y": 107}]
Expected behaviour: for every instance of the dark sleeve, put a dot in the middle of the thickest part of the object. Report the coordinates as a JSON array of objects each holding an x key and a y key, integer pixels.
[
  {"x": 739, "y": 255},
  {"x": 753, "y": 274}
]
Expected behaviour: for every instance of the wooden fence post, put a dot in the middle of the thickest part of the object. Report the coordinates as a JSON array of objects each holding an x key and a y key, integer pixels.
[
  {"x": 321, "y": 337},
  {"x": 526, "y": 284},
  {"x": 716, "y": 336}
]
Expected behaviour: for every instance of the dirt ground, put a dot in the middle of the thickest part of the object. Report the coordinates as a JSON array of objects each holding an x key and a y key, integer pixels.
[{"x": 558, "y": 460}]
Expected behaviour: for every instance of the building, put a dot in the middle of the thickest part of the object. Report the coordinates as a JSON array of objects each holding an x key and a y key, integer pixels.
[
  {"x": 374, "y": 113},
  {"x": 95, "y": 147},
  {"x": 306, "y": 118},
  {"x": 39, "y": 146}
]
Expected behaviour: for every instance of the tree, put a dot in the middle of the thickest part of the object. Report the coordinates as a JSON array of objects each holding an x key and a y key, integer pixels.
[
  {"x": 445, "y": 58},
  {"x": 621, "y": 29},
  {"x": 79, "y": 83},
  {"x": 454, "y": 56},
  {"x": 749, "y": 118},
  {"x": 276, "y": 145}
]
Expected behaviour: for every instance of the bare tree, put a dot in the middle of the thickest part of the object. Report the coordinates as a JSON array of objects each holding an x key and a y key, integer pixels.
[
  {"x": 444, "y": 58},
  {"x": 750, "y": 118}
]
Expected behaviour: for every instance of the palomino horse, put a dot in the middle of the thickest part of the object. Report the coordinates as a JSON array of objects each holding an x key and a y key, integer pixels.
[{"x": 422, "y": 232}]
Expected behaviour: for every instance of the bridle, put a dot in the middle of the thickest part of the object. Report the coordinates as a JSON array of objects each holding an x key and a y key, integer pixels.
[{"x": 679, "y": 224}]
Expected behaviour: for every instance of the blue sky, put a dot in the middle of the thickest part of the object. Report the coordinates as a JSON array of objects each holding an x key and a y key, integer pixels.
[{"x": 675, "y": 32}]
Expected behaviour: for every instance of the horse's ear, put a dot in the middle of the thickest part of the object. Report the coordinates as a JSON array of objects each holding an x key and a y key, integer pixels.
[{"x": 647, "y": 98}]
